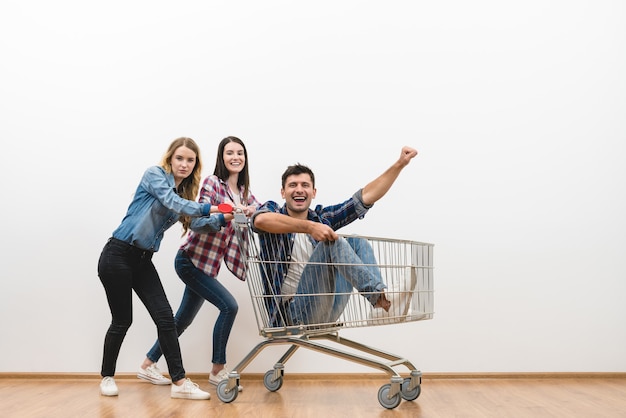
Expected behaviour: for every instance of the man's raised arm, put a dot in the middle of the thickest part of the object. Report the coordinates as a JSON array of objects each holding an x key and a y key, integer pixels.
[{"x": 377, "y": 188}]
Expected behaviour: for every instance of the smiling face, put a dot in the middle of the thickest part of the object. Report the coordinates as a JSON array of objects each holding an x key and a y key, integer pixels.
[
  {"x": 183, "y": 161},
  {"x": 298, "y": 193},
  {"x": 234, "y": 157}
]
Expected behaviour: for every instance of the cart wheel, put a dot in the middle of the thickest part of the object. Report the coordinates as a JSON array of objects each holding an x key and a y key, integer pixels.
[
  {"x": 384, "y": 399},
  {"x": 410, "y": 395},
  {"x": 270, "y": 384},
  {"x": 224, "y": 395}
]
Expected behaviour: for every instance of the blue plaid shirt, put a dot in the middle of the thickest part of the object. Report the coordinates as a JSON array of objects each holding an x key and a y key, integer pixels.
[{"x": 277, "y": 247}]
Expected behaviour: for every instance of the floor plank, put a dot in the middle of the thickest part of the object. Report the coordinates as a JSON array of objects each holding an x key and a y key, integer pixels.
[{"x": 321, "y": 397}]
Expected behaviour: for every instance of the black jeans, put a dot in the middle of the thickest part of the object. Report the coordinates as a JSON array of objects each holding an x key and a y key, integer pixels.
[{"x": 123, "y": 268}]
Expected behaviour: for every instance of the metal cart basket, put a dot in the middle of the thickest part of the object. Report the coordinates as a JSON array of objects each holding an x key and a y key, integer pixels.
[{"x": 405, "y": 268}]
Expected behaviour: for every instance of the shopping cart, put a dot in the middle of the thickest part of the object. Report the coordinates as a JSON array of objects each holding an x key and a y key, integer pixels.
[{"x": 406, "y": 267}]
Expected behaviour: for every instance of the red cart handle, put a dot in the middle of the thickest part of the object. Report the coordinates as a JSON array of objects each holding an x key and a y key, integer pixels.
[{"x": 225, "y": 208}]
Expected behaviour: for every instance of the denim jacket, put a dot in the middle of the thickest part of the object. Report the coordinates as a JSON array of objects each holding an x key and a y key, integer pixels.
[
  {"x": 275, "y": 249},
  {"x": 155, "y": 207}
]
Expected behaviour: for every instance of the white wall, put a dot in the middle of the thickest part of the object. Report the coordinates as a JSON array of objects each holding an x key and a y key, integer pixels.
[{"x": 517, "y": 108}]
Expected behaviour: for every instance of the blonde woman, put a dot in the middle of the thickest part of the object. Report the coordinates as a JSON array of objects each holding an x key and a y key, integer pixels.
[{"x": 165, "y": 195}]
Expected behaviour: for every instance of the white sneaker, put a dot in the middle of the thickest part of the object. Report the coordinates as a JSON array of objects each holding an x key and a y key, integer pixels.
[
  {"x": 189, "y": 390},
  {"x": 108, "y": 386},
  {"x": 153, "y": 375},
  {"x": 215, "y": 379}
]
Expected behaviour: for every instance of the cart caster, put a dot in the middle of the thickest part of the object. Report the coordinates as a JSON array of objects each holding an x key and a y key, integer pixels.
[
  {"x": 225, "y": 395},
  {"x": 273, "y": 384},
  {"x": 383, "y": 397},
  {"x": 409, "y": 395}
]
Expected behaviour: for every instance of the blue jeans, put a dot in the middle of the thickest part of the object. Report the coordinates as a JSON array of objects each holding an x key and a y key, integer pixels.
[
  {"x": 200, "y": 287},
  {"x": 323, "y": 290},
  {"x": 123, "y": 268}
]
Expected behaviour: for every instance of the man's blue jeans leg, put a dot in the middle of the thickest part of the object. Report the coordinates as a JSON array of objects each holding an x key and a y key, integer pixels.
[
  {"x": 336, "y": 266},
  {"x": 343, "y": 287}
]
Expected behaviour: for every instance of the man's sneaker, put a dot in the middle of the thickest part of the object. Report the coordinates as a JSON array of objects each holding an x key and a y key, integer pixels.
[
  {"x": 108, "y": 386},
  {"x": 214, "y": 379},
  {"x": 189, "y": 390},
  {"x": 153, "y": 375}
]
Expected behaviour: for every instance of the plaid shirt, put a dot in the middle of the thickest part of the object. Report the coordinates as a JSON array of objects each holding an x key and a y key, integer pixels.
[
  {"x": 277, "y": 247},
  {"x": 207, "y": 251}
]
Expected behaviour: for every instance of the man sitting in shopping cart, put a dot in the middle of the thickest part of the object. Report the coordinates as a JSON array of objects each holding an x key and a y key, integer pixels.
[{"x": 308, "y": 270}]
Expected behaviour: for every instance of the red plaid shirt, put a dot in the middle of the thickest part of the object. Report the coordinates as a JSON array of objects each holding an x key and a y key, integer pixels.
[{"x": 207, "y": 251}]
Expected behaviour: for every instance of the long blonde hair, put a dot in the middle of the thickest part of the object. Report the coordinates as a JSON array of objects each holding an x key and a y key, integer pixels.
[{"x": 188, "y": 188}]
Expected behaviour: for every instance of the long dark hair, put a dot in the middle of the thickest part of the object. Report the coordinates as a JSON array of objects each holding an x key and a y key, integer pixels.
[{"x": 222, "y": 172}]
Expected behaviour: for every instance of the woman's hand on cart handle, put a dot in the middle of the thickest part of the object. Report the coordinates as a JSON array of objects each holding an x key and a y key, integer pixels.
[
  {"x": 247, "y": 210},
  {"x": 228, "y": 208}
]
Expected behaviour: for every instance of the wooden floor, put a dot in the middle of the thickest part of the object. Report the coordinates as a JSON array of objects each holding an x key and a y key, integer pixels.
[{"x": 341, "y": 396}]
